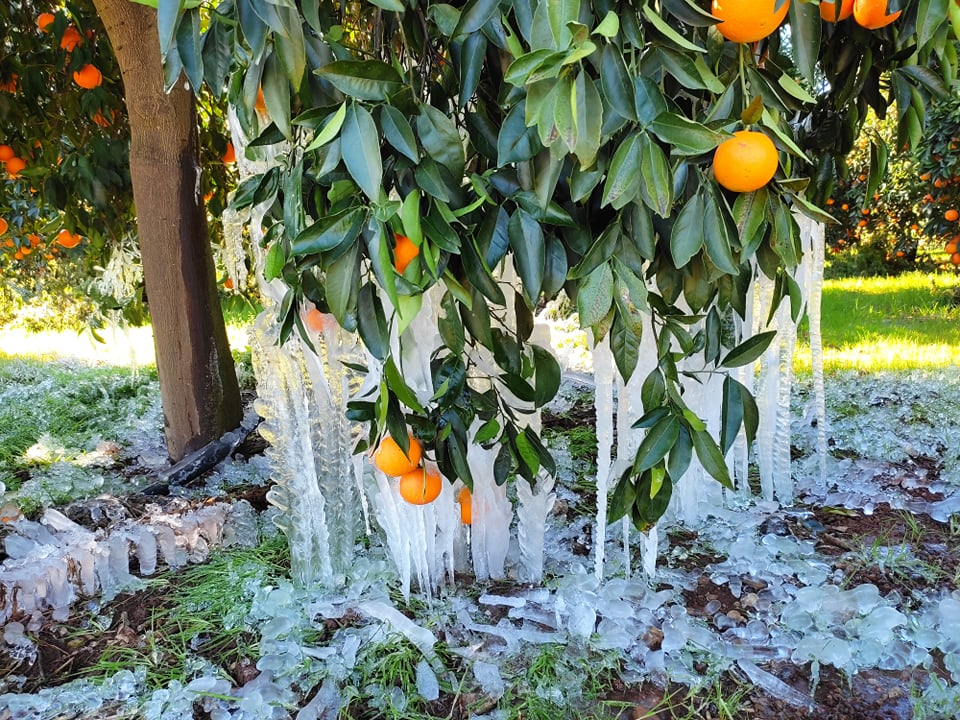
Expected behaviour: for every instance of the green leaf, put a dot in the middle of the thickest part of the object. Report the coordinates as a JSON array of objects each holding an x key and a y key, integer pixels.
[
  {"x": 653, "y": 390},
  {"x": 529, "y": 253},
  {"x": 361, "y": 151},
  {"x": 479, "y": 274},
  {"x": 330, "y": 129},
  {"x": 253, "y": 27},
  {"x": 547, "y": 377},
  {"x": 516, "y": 142},
  {"x": 749, "y": 350},
  {"x": 372, "y": 323},
  {"x": 686, "y": 136},
  {"x": 188, "y": 47},
  {"x": 330, "y": 232},
  {"x": 471, "y": 67},
  {"x": 616, "y": 83},
  {"x": 680, "y": 454},
  {"x": 475, "y": 14},
  {"x": 398, "y": 386},
  {"x": 731, "y": 414},
  {"x": 609, "y": 26},
  {"x": 274, "y": 262},
  {"x": 656, "y": 186},
  {"x": 595, "y": 296},
  {"x": 751, "y": 414},
  {"x": 625, "y": 344},
  {"x": 805, "y": 29},
  {"x": 342, "y": 286},
  {"x": 879, "y": 152},
  {"x": 588, "y": 111},
  {"x": 599, "y": 252},
  {"x": 370, "y": 80},
  {"x": 686, "y": 238},
  {"x": 623, "y": 177},
  {"x": 621, "y": 500},
  {"x": 290, "y": 46},
  {"x": 440, "y": 139},
  {"x": 711, "y": 458},
  {"x": 276, "y": 94},
  {"x": 648, "y": 100},
  {"x": 930, "y": 17},
  {"x": 716, "y": 237},
  {"x": 398, "y": 132},
  {"x": 750, "y": 213},
  {"x": 390, "y": 5},
  {"x": 664, "y": 28},
  {"x": 168, "y": 17},
  {"x": 657, "y": 443}
]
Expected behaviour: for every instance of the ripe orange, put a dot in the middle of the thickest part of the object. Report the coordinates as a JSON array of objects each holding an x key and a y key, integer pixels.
[
  {"x": 229, "y": 156},
  {"x": 951, "y": 215},
  {"x": 4, "y": 225},
  {"x": 950, "y": 248},
  {"x": 421, "y": 486},
  {"x": 391, "y": 460},
  {"x": 829, "y": 10},
  {"x": 466, "y": 506},
  {"x": 71, "y": 38},
  {"x": 88, "y": 77},
  {"x": 317, "y": 321},
  {"x": 34, "y": 240},
  {"x": 872, "y": 14},
  {"x": 6, "y": 152},
  {"x": 955, "y": 258},
  {"x": 746, "y": 21},
  {"x": 261, "y": 104},
  {"x": 746, "y": 162},
  {"x": 228, "y": 284},
  {"x": 404, "y": 251},
  {"x": 67, "y": 239},
  {"x": 14, "y": 166},
  {"x": 45, "y": 20}
]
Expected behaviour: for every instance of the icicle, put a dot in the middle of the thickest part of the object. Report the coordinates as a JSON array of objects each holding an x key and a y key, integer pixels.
[
  {"x": 492, "y": 514},
  {"x": 814, "y": 299},
  {"x": 648, "y": 551},
  {"x": 535, "y": 505},
  {"x": 603, "y": 379},
  {"x": 745, "y": 375},
  {"x": 767, "y": 390}
]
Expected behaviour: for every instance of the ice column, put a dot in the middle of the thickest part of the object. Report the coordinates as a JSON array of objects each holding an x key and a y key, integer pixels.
[
  {"x": 812, "y": 232},
  {"x": 603, "y": 370},
  {"x": 301, "y": 398}
]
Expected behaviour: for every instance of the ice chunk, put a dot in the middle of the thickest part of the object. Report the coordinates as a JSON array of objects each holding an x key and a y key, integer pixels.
[
  {"x": 488, "y": 675},
  {"x": 427, "y": 684},
  {"x": 508, "y": 601},
  {"x": 775, "y": 686},
  {"x": 422, "y": 638},
  {"x": 325, "y": 704}
]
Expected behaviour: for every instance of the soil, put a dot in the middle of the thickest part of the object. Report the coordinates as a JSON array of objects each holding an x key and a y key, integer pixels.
[{"x": 931, "y": 561}]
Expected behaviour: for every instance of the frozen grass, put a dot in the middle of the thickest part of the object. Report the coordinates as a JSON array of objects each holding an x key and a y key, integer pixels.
[{"x": 889, "y": 323}]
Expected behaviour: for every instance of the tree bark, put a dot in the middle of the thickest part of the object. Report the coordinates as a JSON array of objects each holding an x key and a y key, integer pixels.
[{"x": 198, "y": 382}]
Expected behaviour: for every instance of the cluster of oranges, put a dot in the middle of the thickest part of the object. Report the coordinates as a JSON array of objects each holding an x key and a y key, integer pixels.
[
  {"x": 87, "y": 77},
  {"x": 11, "y": 162},
  {"x": 34, "y": 242},
  {"x": 420, "y": 484}
]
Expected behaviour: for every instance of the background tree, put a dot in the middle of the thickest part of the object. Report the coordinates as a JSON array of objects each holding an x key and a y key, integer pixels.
[{"x": 84, "y": 168}]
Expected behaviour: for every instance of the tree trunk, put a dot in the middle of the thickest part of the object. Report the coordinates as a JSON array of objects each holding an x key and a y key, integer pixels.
[{"x": 198, "y": 382}]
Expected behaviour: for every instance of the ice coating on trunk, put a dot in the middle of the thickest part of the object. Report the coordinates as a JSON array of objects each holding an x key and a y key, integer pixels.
[
  {"x": 535, "y": 504},
  {"x": 814, "y": 295},
  {"x": 492, "y": 515}
]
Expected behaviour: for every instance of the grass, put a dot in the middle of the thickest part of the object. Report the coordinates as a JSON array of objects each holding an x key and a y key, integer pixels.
[{"x": 907, "y": 322}]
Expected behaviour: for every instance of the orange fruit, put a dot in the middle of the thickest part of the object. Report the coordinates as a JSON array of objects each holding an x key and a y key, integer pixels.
[
  {"x": 18, "y": 255},
  {"x": 45, "y": 20},
  {"x": 67, "y": 239},
  {"x": 101, "y": 119},
  {"x": 830, "y": 12},
  {"x": 71, "y": 38},
  {"x": 421, "y": 486},
  {"x": 951, "y": 215},
  {"x": 261, "y": 104},
  {"x": 4, "y": 225},
  {"x": 6, "y": 152},
  {"x": 391, "y": 460},
  {"x": 229, "y": 156},
  {"x": 872, "y": 14},
  {"x": 746, "y": 21},
  {"x": 228, "y": 283},
  {"x": 317, "y": 321},
  {"x": 746, "y": 162},
  {"x": 950, "y": 248},
  {"x": 11, "y": 85},
  {"x": 955, "y": 258},
  {"x": 34, "y": 240},
  {"x": 466, "y": 506},
  {"x": 14, "y": 166},
  {"x": 88, "y": 77},
  {"x": 404, "y": 251},
  {"x": 830, "y": 201},
  {"x": 925, "y": 177}
]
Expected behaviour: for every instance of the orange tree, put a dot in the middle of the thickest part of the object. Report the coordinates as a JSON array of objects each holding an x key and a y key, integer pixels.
[
  {"x": 574, "y": 139},
  {"x": 95, "y": 154},
  {"x": 938, "y": 162}
]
